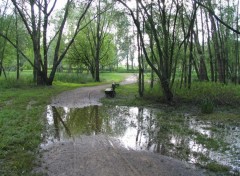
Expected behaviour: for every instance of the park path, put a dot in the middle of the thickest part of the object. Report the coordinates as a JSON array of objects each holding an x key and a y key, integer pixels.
[
  {"x": 101, "y": 155},
  {"x": 84, "y": 96}
]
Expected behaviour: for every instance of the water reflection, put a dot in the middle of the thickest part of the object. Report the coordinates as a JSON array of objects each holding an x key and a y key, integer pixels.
[{"x": 181, "y": 136}]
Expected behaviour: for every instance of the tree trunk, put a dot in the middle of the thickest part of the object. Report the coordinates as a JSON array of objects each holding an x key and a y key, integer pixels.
[
  {"x": 98, "y": 40},
  {"x": 237, "y": 64},
  {"x": 202, "y": 66},
  {"x": 209, "y": 49},
  {"x": 218, "y": 57},
  {"x": 140, "y": 69},
  {"x": 17, "y": 44},
  {"x": 190, "y": 62}
]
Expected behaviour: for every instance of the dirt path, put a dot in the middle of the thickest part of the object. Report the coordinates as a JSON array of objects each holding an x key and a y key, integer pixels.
[{"x": 102, "y": 155}]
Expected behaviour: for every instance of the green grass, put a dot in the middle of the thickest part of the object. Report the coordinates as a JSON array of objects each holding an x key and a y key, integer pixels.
[
  {"x": 219, "y": 93},
  {"x": 215, "y": 167},
  {"x": 22, "y": 105},
  {"x": 114, "y": 77},
  {"x": 211, "y": 95},
  {"x": 21, "y": 125}
]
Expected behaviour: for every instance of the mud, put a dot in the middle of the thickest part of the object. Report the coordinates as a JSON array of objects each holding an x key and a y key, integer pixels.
[{"x": 103, "y": 156}]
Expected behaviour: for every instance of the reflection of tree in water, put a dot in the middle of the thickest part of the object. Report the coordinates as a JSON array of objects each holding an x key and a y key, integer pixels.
[
  {"x": 161, "y": 134},
  {"x": 117, "y": 122},
  {"x": 58, "y": 122},
  {"x": 170, "y": 138},
  {"x": 169, "y": 134},
  {"x": 88, "y": 120}
]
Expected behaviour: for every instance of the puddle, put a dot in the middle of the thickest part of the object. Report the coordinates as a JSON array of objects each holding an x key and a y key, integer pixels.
[{"x": 180, "y": 136}]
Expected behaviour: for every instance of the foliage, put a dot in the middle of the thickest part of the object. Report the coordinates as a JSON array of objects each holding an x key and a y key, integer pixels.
[
  {"x": 83, "y": 50},
  {"x": 94, "y": 43},
  {"x": 207, "y": 105}
]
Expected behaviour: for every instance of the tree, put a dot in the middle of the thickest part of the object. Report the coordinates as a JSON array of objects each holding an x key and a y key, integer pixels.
[
  {"x": 104, "y": 10},
  {"x": 5, "y": 22},
  {"x": 124, "y": 38},
  {"x": 94, "y": 47},
  {"x": 82, "y": 51},
  {"x": 35, "y": 16},
  {"x": 160, "y": 19}
]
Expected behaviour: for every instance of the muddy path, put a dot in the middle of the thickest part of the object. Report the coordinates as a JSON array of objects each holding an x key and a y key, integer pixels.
[{"x": 102, "y": 155}]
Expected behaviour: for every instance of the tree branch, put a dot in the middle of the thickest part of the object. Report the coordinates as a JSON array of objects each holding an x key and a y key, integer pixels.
[{"x": 217, "y": 18}]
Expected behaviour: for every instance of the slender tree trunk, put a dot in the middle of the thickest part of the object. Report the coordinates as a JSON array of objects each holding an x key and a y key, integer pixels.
[
  {"x": 209, "y": 48},
  {"x": 97, "y": 56},
  {"x": 190, "y": 62},
  {"x": 202, "y": 66},
  {"x": 127, "y": 61},
  {"x": 17, "y": 44},
  {"x": 140, "y": 69},
  {"x": 237, "y": 64},
  {"x": 2, "y": 70},
  {"x": 152, "y": 51},
  {"x": 218, "y": 57},
  {"x": 45, "y": 45}
]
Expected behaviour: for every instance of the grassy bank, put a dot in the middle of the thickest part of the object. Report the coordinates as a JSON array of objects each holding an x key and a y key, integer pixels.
[
  {"x": 22, "y": 107},
  {"x": 219, "y": 95},
  {"x": 21, "y": 125}
]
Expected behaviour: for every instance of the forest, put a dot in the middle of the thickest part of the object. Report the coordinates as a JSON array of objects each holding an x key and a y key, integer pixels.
[
  {"x": 184, "y": 54},
  {"x": 175, "y": 41}
]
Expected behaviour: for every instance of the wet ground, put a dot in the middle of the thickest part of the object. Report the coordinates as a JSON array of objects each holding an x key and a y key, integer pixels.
[
  {"x": 128, "y": 129},
  {"x": 85, "y": 138}
]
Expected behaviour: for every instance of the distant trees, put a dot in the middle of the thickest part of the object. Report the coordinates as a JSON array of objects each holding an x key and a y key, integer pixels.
[{"x": 82, "y": 52}]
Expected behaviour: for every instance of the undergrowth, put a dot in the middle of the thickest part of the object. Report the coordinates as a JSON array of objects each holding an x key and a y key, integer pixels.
[{"x": 206, "y": 95}]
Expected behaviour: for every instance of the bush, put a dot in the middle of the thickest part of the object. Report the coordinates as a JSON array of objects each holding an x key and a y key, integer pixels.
[{"x": 207, "y": 105}]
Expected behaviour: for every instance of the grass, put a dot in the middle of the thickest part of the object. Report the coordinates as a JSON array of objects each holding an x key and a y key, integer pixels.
[
  {"x": 22, "y": 105},
  {"x": 211, "y": 95},
  {"x": 215, "y": 167},
  {"x": 218, "y": 93},
  {"x": 21, "y": 125}
]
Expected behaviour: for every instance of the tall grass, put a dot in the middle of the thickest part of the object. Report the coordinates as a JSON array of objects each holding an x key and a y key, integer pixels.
[
  {"x": 73, "y": 78},
  {"x": 218, "y": 93},
  {"x": 12, "y": 82}
]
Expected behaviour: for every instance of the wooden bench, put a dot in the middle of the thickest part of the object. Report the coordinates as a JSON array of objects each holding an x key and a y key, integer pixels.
[{"x": 110, "y": 92}]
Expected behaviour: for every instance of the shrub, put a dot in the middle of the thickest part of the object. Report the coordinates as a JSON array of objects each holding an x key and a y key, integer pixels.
[{"x": 207, "y": 105}]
